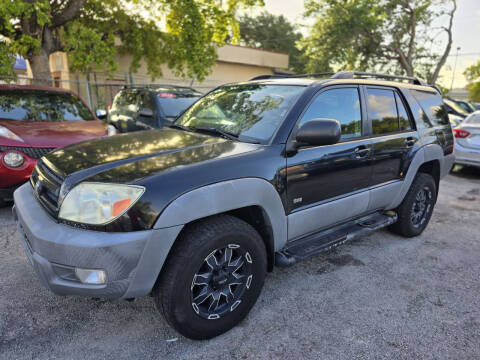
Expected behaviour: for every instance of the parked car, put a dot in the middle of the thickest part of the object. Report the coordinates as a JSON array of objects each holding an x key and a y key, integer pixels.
[
  {"x": 456, "y": 114},
  {"x": 256, "y": 174},
  {"x": 146, "y": 107},
  {"x": 467, "y": 140},
  {"x": 34, "y": 120},
  {"x": 465, "y": 105}
]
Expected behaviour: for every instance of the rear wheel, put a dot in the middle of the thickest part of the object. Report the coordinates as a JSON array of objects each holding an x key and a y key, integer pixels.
[
  {"x": 212, "y": 278},
  {"x": 417, "y": 207}
]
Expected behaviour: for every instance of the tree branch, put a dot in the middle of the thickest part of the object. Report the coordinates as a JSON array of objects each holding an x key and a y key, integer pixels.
[
  {"x": 71, "y": 11},
  {"x": 448, "y": 47}
]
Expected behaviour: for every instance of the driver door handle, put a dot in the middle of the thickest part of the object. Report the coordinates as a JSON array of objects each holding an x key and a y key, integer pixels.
[{"x": 361, "y": 152}]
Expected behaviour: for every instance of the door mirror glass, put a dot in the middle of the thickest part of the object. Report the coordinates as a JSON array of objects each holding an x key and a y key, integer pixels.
[
  {"x": 101, "y": 114},
  {"x": 318, "y": 132},
  {"x": 146, "y": 113}
]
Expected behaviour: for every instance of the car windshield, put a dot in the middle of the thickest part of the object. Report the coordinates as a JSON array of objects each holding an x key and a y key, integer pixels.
[
  {"x": 248, "y": 111},
  {"x": 174, "y": 106},
  {"x": 30, "y": 105},
  {"x": 455, "y": 106}
]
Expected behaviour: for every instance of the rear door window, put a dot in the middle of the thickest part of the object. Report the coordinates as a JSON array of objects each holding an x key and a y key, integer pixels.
[
  {"x": 342, "y": 104},
  {"x": 382, "y": 111},
  {"x": 403, "y": 119}
]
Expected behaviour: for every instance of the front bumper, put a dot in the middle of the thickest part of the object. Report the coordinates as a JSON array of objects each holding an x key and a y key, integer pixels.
[{"x": 132, "y": 260}]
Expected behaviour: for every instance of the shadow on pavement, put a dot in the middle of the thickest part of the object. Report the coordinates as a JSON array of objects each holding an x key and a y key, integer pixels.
[{"x": 466, "y": 172}]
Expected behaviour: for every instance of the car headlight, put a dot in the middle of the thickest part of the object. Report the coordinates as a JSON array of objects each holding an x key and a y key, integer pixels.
[
  {"x": 13, "y": 159},
  {"x": 99, "y": 203}
]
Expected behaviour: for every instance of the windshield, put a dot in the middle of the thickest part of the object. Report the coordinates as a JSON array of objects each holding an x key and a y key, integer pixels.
[
  {"x": 29, "y": 105},
  {"x": 172, "y": 107},
  {"x": 248, "y": 111},
  {"x": 455, "y": 106}
]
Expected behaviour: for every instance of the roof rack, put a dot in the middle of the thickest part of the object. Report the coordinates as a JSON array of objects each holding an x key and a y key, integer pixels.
[
  {"x": 346, "y": 75},
  {"x": 153, "y": 86},
  {"x": 287, "y": 76}
]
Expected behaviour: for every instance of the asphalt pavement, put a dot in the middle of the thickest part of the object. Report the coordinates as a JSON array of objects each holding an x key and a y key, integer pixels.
[{"x": 379, "y": 297}]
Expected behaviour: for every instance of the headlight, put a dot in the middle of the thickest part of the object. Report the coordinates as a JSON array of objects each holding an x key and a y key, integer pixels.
[
  {"x": 111, "y": 130},
  {"x": 98, "y": 203},
  {"x": 13, "y": 159}
]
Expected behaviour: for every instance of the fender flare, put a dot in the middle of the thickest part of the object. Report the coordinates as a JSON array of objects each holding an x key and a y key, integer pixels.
[
  {"x": 226, "y": 196},
  {"x": 424, "y": 154}
]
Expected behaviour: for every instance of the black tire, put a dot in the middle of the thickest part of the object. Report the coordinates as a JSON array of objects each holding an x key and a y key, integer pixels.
[
  {"x": 411, "y": 219},
  {"x": 177, "y": 290},
  {"x": 3, "y": 203}
]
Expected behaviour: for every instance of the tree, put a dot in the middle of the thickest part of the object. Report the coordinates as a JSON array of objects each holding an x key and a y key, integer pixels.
[
  {"x": 393, "y": 35},
  {"x": 275, "y": 33},
  {"x": 93, "y": 31},
  {"x": 472, "y": 73}
]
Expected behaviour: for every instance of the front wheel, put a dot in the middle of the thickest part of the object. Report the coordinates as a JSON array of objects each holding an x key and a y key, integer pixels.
[
  {"x": 212, "y": 278},
  {"x": 417, "y": 207}
]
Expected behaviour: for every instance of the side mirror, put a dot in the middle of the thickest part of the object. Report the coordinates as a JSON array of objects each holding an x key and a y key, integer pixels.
[
  {"x": 146, "y": 113},
  {"x": 318, "y": 132},
  {"x": 101, "y": 114}
]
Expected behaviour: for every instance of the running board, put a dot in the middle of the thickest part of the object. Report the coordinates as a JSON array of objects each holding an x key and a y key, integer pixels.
[{"x": 310, "y": 245}]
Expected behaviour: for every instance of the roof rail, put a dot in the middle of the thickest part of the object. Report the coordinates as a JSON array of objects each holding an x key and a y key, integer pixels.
[
  {"x": 155, "y": 86},
  {"x": 359, "y": 74},
  {"x": 346, "y": 75},
  {"x": 294, "y": 76}
]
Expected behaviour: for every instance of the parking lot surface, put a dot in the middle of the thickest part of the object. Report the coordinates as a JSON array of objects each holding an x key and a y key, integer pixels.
[{"x": 379, "y": 297}]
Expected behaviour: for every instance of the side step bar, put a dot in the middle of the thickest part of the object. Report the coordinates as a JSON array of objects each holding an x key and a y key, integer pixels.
[{"x": 310, "y": 245}]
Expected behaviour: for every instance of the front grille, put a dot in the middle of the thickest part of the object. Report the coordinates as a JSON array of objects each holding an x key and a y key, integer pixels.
[
  {"x": 46, "y": 187},
  {"x": 34, "y": 153}
]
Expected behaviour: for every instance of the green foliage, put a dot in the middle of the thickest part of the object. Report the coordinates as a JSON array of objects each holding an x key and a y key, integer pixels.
[
  {"x": 387, "y": 35},
  {"x": 180, "y": 33},
  {"x": 472, "y": 73},
  {"x": 275, "y": 33}
]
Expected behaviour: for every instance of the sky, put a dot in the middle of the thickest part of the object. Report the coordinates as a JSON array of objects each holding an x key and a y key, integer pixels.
[{"x": 466, "y": 35}]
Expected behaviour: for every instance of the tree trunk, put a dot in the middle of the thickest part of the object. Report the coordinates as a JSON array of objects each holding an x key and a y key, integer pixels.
[{"x": 40, "y": 66}]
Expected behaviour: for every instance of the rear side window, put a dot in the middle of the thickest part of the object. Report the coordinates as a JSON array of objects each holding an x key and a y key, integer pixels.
[
  {"x": 24, "y": 105},
  {"x": 433, "y": 106},
  {"x": 382, "y": 111},
  {"x": 341, "y": 104}
]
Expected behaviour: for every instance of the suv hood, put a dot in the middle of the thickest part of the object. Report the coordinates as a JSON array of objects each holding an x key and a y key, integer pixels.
[
  {"x": 130, "y": 157},
  {"x": 52, "y": 134}
]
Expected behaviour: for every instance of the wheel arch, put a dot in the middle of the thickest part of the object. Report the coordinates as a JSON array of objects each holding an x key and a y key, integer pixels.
[
  {"x": 428, "y": 159},
  {"x": 253, "y": 200}
]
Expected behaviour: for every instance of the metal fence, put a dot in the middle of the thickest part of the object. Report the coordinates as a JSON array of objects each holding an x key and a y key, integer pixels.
[{"x": 98, "y": 90}]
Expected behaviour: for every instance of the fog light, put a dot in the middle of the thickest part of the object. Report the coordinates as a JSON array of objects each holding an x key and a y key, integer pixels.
[
  {"x": 13, "y": 159},
  {"x": 91, "y": 276}
]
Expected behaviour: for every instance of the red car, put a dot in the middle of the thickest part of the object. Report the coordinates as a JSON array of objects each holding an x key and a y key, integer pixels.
[{"x": 35, "y": 120}]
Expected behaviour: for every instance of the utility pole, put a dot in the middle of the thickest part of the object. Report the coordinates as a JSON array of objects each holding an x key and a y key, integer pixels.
[{"x": 454, "y": 68}]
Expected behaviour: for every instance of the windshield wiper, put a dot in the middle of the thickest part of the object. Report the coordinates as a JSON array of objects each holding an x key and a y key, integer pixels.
[
  {"x": 215, "y": 131},
  {"x": 180, "y": 127}
]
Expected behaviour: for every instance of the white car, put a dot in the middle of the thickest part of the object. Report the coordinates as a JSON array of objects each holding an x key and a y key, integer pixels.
[{"x": 467, "y": 140}]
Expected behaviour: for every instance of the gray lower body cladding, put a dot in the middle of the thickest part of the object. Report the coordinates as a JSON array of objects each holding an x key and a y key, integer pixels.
[{"x": 132, "y": 260}]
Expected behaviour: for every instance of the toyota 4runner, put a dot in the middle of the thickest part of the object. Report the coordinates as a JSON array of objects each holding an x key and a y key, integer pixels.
[{"x": 256, "y": 174}]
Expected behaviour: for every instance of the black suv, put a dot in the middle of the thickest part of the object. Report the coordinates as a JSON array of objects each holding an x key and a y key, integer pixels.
[
  {"x": 256, "y": 174},
  {"x": 149, "y": 106}
]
